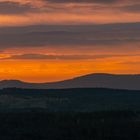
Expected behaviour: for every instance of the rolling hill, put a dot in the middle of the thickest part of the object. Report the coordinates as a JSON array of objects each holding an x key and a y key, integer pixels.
[{"x": 101, "y": 80}]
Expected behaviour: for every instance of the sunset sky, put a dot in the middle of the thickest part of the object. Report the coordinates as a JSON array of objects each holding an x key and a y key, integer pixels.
[{"x": 52, "y": 40}]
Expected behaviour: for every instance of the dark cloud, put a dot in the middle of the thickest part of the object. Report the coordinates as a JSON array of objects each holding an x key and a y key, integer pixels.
[
  {"x": 61, "y": 57},
  {"x": 131, "y": 8},
  {"x": 82, "y": 35},
  {"x": 15, "y": 8},
  {"x": 104, "y": 5},
  {"x": 56, "y": 57},
  {"x": 9, "y": 7},
  {"x": 65, "y": 57}
]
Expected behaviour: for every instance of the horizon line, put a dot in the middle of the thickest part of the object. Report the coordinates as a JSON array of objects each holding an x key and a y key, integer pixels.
[{"x": 83, "y": 75}]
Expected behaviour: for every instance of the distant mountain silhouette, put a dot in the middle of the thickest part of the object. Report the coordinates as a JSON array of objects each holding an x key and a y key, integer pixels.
[{"x": 97, "y": 80}]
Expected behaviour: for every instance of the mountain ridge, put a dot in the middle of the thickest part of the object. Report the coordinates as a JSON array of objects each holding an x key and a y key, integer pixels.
[{"x": 94, "y": 80}]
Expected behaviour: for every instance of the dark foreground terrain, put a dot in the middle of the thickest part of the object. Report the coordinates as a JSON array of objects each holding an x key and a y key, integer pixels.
[
  {"x": 122, "y": 125},
  {"x": 69, "y": 100},
  {"x": 69, "y": 114}
]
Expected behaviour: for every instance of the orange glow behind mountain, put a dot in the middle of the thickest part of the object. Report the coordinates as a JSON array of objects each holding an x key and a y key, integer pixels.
[{"x": 55, "y": 70}]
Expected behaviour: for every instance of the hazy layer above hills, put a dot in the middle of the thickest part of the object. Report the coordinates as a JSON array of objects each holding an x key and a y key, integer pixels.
[{"x": 131, "y": 82}]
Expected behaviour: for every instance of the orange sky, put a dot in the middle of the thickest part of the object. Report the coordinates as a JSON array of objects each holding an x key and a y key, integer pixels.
[
  {"x": 36, "y": 46},
  {"x": 41, "y": 71}
]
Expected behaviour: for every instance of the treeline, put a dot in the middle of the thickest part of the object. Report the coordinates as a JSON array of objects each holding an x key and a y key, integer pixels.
[
  {"x": 113, "y": 125},
  {"x": 72, "y": 90}
]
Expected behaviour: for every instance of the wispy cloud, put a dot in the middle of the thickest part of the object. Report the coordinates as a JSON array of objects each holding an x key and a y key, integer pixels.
[
  {"x": 110, "y": 35},
  {"x": 64, "y": 57},
  {"x": 69, "y": 11},
  {"x": 56, "y": 57},
  {"x": 8, "y": 8}
]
